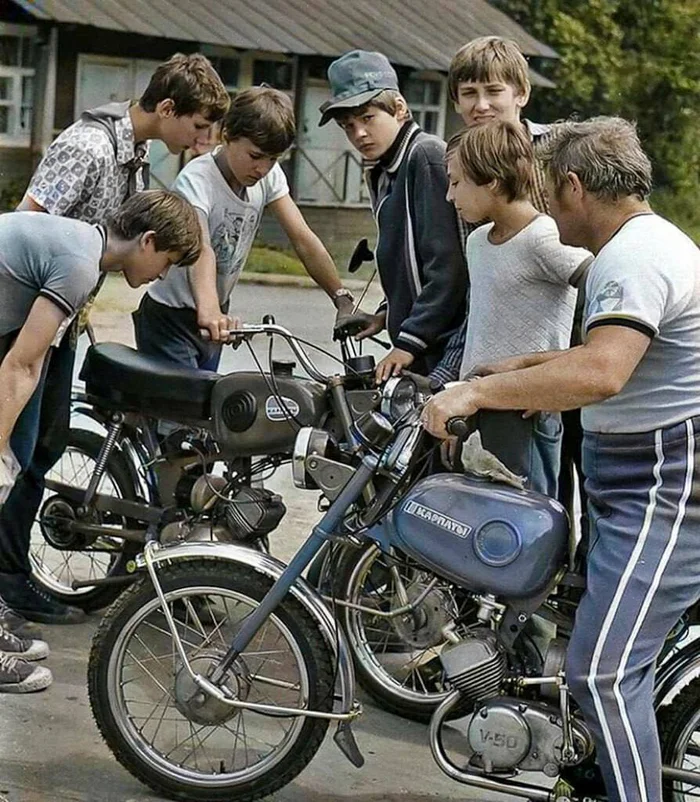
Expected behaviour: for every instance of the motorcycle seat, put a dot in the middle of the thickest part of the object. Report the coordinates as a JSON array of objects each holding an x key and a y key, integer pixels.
[{"x": 121, "y": 378}]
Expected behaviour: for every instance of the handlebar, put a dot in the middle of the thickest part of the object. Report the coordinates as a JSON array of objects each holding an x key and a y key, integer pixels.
[
  {"x": 249, "y": 330},
  {"x": 461, "y": 427}
]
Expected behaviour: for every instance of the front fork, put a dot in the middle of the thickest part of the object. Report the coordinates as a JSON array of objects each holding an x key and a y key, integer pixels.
[{"x": 322, "y": 532}]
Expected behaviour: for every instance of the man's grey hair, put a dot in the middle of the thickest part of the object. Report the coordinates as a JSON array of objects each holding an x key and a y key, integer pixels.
[{"x": 604, "y": 152}]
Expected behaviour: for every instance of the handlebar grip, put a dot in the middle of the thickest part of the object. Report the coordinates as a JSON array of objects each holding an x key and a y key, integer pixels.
[{"x": 460, "y": 427}]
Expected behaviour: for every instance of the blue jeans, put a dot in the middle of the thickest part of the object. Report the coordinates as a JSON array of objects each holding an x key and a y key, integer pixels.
[
  {"x": 173, "y": 335},
  {"x": 38, "y": 439},
  {"x": 530, "y": 447}
]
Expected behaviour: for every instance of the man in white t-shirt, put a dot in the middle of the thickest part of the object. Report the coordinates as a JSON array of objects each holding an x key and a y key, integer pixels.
[
  {"x": 230, "y": 189},
  {"x": 522, "y": 295},
  {"x": 637, "y": 376}
]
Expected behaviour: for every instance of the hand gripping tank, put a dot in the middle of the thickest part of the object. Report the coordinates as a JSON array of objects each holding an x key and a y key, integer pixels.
[
  {"x": 251, "y": 420},
  {"x": 485, "y": 537}
]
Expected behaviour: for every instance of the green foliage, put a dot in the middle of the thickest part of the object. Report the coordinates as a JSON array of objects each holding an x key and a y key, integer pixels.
[
  {"x": 265, "y": 259},
  {"x": 636, "y": 58},
  {"x": 11, "y": 194}
]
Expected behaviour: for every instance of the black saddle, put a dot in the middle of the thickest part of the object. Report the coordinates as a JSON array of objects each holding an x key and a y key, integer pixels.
[{"x": 120, "y": 378}]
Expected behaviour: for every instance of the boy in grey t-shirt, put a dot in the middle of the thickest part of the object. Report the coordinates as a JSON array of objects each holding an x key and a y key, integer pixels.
[
  {"x": 49, "y": 265},
  {"x": 522, "y": 279}
]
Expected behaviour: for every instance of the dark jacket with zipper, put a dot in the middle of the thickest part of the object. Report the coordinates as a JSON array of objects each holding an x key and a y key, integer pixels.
[{"x": 419, "y": 253}]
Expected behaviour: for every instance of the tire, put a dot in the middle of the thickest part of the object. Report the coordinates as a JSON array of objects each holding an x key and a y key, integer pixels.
[
  {"x": 404, "y": 676},
  {"x": 679, "y": 732},
  {"x": 54, "y": 569},
  {"x": 134, "y": 673}
]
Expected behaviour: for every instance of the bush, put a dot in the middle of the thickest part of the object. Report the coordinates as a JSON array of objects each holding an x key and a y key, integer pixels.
[
  {"x": 265, "y": 259},
  {"x": 681, "y": 208},
  {"x": 11, "y": 193}
]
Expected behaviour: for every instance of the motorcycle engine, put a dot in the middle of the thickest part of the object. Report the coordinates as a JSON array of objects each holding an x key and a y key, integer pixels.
[
  {"x": 245, "y": 514},
  {"x": 506, "y": 733}
]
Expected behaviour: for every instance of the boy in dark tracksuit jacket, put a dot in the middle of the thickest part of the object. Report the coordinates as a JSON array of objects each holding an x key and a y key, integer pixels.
[{"x": 418, "y": 252}]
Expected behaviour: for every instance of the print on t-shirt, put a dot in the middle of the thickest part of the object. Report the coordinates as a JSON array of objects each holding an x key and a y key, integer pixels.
[{"x": 233, "y": 231}]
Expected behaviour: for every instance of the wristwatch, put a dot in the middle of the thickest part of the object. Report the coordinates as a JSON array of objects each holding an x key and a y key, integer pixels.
[{"x": 342, "y": 293}]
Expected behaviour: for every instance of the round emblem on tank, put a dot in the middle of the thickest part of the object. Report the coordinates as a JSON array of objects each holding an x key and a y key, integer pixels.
[{"x": 497, "y": 543}]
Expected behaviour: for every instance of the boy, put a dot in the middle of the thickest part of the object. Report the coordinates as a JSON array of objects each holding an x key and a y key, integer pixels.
[
  {"x": 487, "y": 81},
  {"x": 230, "y": 188},
  {"x": 86, "y": 174},
  {"x": 49, "y": 266},
  {"x": 516, "y": 263},
  {"x": 419, "y": 254},
  {"x": 90, "y": 168}
]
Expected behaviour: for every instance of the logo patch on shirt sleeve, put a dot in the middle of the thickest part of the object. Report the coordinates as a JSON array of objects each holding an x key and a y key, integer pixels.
[{"x": 609, "y": 299}]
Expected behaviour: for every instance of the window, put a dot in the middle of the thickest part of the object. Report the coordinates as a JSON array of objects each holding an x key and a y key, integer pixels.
[
  {"x": 228, "y": 69},
  {"x": 17, "y": 53},
  {"x": 425, "y": 98},
  {"x": 279, "y": 74}
]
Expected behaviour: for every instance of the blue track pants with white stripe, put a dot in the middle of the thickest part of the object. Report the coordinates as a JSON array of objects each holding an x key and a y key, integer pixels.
[{"x": 643, "y": 573}]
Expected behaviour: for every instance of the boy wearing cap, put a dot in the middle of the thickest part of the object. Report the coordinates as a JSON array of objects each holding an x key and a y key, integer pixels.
[{"x": 418, "y": 251}]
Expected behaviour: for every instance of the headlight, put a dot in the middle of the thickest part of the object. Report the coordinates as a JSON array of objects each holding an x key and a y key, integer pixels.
[
  {"x": 308, "y": 441},
  {"x": 398, "y": 397}
]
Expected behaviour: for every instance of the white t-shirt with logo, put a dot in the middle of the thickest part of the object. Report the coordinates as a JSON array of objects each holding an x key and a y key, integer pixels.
[
  {"x": 647, "y": 277},
  {"x": 233, "y": 223}
]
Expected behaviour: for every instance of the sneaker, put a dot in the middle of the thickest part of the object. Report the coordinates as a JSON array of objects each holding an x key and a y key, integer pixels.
[
  {"x": 19, "y": 676},
  {"x": 27, "y": 649},
  {"x": 35, "y": 604},
  {"x": 16, "y": 624}
]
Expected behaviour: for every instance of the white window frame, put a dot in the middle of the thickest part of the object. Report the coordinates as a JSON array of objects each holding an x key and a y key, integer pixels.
[
  {"x": 16, "y": 137},
  {"x": 419, "y": 109}
]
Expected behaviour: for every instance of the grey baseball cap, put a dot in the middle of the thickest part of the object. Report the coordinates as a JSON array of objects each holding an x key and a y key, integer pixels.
[{"x": 355, "y": 78}]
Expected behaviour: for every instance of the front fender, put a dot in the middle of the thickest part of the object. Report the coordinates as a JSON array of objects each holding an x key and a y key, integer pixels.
[
  {"x": 301, "y": 590},
  {"x": 676, "y": 670}
]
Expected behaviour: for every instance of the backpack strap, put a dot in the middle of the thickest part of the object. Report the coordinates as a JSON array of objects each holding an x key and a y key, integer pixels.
[{"x": 105, "y": 118}]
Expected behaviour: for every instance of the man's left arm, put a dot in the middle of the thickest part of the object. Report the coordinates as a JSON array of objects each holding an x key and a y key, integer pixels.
[
  {"x": 584, "y": 375},
  {"x": 312, "y": 252}
]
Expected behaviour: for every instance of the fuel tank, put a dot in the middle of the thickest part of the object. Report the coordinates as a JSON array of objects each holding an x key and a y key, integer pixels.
[
  {"x": 256, "y": 414},
  {"x": 485, "y": 537}
]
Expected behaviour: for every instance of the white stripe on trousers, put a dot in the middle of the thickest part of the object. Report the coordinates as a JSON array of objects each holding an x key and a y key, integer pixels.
[
  {"x": 617, "y": 598},
  {"x": 668, "y": 551}
]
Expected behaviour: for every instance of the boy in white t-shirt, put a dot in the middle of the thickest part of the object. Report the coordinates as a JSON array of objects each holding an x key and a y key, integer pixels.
[
  {"x": 230, "y": 188},
  {"x": 522, "y": 285}
]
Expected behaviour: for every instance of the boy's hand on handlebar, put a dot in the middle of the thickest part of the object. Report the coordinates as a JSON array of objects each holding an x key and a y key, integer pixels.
[
  {"x": 359, "y": 325},
  {"x": 393, "y": 364},
  {"x": 218, "y": 325}
]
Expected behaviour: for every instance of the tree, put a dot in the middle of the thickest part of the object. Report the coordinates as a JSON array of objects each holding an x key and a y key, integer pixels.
[{"x": 636, "y": 58}]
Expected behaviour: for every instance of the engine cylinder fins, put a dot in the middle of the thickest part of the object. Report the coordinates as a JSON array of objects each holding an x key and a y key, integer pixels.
[
  {"x": 239, "y": 410},
  {"x": 475, "y": 666}
]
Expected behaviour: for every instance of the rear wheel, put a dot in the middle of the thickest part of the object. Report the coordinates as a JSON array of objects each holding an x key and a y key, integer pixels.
[
  {"x": 58, "y": 557},
  {"x": 176, "y": 739},
  {"x": 679, "y": 730},
  {"x": 397, "y": 659}
]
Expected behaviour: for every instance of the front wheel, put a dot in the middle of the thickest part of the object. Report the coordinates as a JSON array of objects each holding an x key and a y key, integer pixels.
[
  {"x": 175, "y": 739},
  {"x": 679, "y": 731}
]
